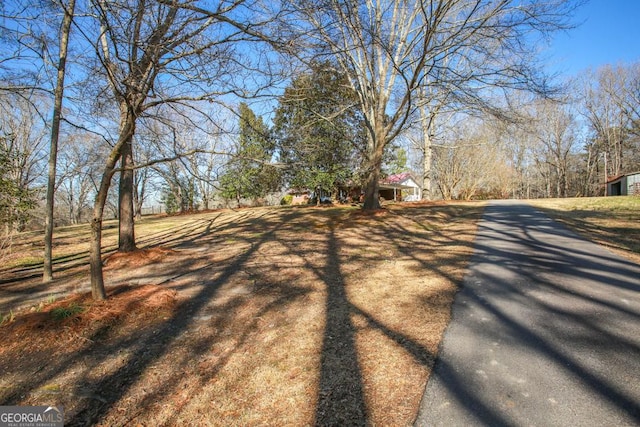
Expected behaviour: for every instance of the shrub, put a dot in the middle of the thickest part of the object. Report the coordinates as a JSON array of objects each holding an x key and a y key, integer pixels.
[{"x": 61, "y": 313}]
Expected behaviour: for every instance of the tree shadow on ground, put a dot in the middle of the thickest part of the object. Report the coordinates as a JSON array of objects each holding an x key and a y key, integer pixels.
[
  {"x": 22, "y": 287},
  {"x": 261, "y": 266},
  {"x": 342, "y": 396},
  {"x": 340, "y": 392},
  {"x": 143, "y": 347}
]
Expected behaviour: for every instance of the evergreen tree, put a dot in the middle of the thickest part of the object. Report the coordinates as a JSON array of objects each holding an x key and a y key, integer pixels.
[
  {"x": 16, "y": 200},
  {"x": 396, "y": 160},
  {"x": 318, "y": 129},
  {"x": 250, "y": 173}
]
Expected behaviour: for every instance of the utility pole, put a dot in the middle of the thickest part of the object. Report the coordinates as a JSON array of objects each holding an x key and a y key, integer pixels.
[{"x": 605, "y": 174}]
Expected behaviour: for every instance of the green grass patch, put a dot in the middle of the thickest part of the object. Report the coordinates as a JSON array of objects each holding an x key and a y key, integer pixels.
[
  {"x": 61, "y": 313},
  {"x": 629, "y": 204},
  {"x": 25, "y": 262},
  {"x": 7, "y": 318}
]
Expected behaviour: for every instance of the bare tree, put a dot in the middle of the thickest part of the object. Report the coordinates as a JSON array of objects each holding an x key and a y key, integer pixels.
[
  {"x": 142, "y": 178},
  {"x": 608, "y": 122},
  {"x": 631, "y": 107},
  {"x": 79, "y": 160},
  {"x": 65, "y": 31},
  {"x": 427, "y": 125},
  {"x": 206, "y": 168},
  {"x": 519, "y": 143},
  {"x": 555, "y": 129},
  {"x": 158, "y": 53},
  {"x": 390, "y": 49},
  {"x": 631, "y": 102},
  {"x": 472, "y": 163},
  {"x": 206, "y": 172},
  {"x": 25, "y": 52},
  {"x": 189, "y": 182},
  {"x": 609, "y": 102}
]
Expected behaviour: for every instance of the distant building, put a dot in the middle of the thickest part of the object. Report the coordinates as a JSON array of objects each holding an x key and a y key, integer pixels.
[
  {"x": 401, "y": 186},
  {"x": 624, "y": 185}
]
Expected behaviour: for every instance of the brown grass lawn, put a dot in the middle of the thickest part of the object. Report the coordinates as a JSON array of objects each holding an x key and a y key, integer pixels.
[
  {"x": 268, "y": 316},
  {"x": 610, "y": 221}
]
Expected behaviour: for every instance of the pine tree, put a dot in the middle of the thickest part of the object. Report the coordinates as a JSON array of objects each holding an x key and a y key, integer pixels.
[{"x": 250, "y": 173}]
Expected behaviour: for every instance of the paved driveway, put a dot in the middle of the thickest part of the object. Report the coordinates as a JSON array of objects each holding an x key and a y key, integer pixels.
[{"x": 545, "y": 332}]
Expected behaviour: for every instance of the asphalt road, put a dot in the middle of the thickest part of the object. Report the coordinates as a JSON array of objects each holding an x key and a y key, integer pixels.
[{"x": 545, "y": 332}]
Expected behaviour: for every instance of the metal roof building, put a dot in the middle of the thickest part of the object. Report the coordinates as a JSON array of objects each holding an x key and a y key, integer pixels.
[{"x": 624, "y": 185}]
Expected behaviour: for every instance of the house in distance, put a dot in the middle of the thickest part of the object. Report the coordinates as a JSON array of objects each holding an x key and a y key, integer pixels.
[
  {"x": 401, "y": 186},
  {"x": 624, "y": 185}
]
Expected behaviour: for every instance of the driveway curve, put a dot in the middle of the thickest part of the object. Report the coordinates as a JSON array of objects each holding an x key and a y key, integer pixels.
[{"x": 545, "y": 331}]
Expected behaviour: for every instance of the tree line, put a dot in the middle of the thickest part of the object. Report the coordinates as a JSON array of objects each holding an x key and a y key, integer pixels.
[
  {"x": 237, "y": 98},
  {"x": 567, "y": 146}
]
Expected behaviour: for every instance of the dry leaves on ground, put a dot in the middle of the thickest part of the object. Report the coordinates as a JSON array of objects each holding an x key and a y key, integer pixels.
[{"x": 304, "y": 316}]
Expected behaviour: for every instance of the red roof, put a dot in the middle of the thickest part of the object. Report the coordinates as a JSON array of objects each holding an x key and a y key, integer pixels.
[{"x": 397, "y": 178}]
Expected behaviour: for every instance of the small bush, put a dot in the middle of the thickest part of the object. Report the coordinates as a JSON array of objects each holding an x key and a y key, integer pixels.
[
  {"x": 61, "y": 313},
  {"x": 7, "y": 318},
  {"x": 286, "y": 200}
]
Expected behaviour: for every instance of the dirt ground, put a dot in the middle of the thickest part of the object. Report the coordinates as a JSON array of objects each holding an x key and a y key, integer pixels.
[{"x": 268, "y": 316}]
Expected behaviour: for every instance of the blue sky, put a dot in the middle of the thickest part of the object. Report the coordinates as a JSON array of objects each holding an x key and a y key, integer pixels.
[{"x": 609, "y": 33}]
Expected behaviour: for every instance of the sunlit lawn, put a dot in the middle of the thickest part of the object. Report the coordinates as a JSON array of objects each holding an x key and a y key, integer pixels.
[
  {"x": 268, "y": 316},
  {"x": 611, "y": 221}
]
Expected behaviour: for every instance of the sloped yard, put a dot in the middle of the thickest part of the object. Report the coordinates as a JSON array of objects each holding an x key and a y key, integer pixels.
[{"x": 280, "y": 316}]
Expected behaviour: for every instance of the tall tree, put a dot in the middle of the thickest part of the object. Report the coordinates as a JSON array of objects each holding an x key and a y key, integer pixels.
[
  {"x": 27, "y": 31},
  {"x": 249, "y": 173},
  {"x": 631, "y": 102},
  {"x": 65, "y": 30},
  {"x": 79, "y": 159},
  {"x": 610, "y": 105},
  {"x": 319, "y": 129},
  {"x": 606, "y": 118},
  {"x": 555, "y": 130},
  {"x": 472, "y": 164},
  {"x": 154, "y": 53},
  {"x": 389, "y": 49}
]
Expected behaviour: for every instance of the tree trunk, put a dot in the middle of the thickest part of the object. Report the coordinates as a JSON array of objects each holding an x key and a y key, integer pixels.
[
  {"x": 65, "y": 30},
  {"x": 127, "y": 239},
  {"x": 372, "y": 190},
  {"x": 426, "y": 176},
  {"x": 127, "y": 129},
  {"x": 137, "y": 205},
  {"x": 139, "y": 188},
  {"x": 426, "y": 124},
  {"x": 95, "y": 252}
]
